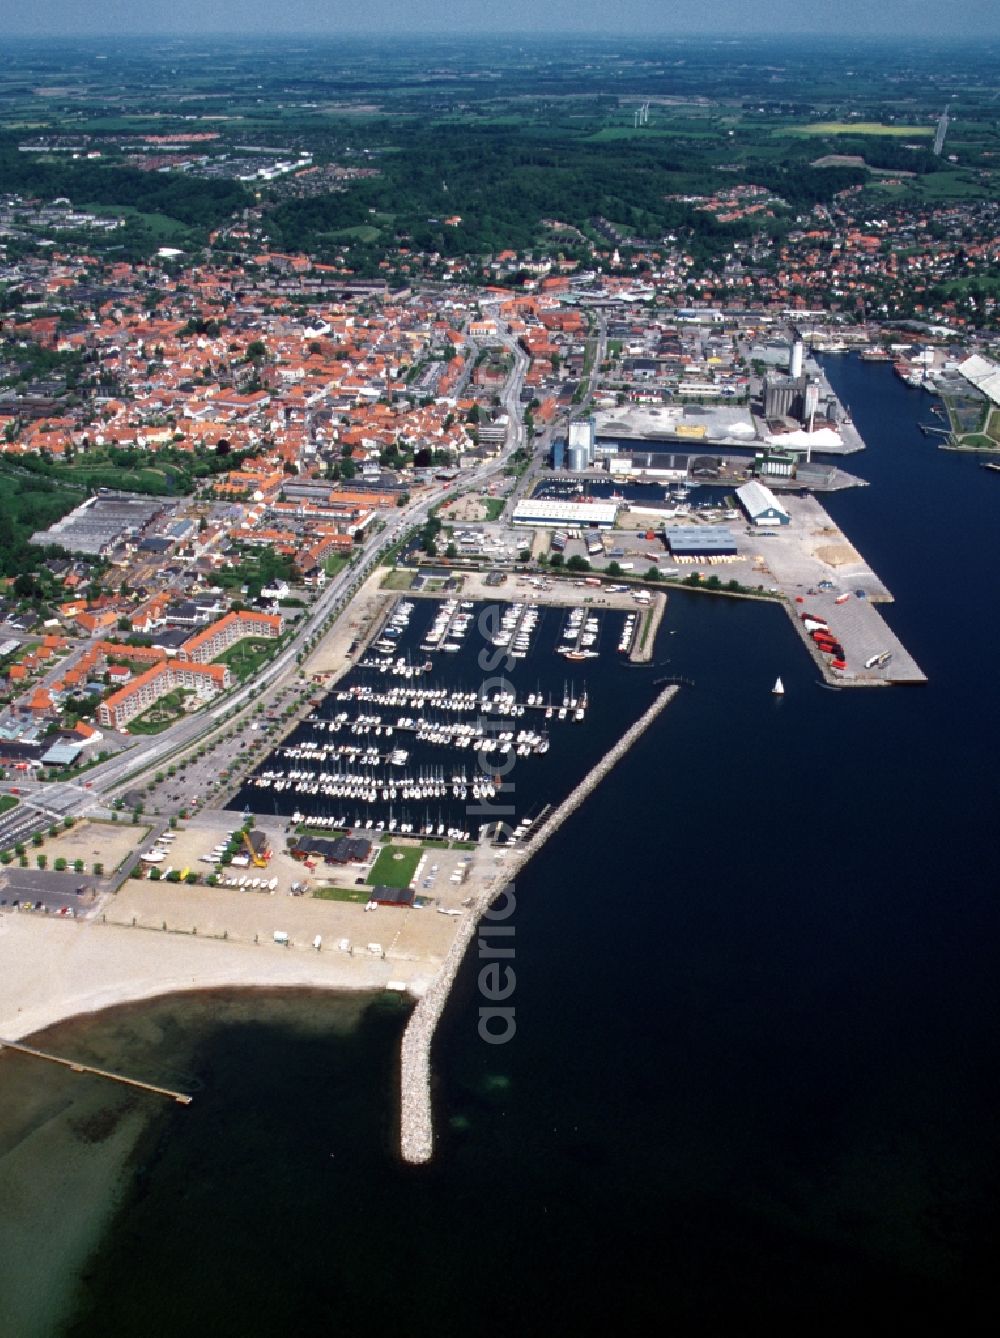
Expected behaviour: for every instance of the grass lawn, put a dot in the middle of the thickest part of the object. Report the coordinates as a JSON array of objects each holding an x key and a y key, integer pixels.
[
  {"x": 494, "y": 507},
  {"x": 395, "y": 866},
  {"x": 398, "y": 580},
  {"x": 246, "y": 657},
  {"x": 334, "y": 563},
  {"x": 358, "y": 895},
  {"x": 160, "y": 716},
  {"x": 7, "y": 802},
  {"x": 978, "y": 441}
]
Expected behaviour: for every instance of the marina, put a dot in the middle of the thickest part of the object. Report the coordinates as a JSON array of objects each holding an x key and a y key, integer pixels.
[{"x": 427, "y": 754}]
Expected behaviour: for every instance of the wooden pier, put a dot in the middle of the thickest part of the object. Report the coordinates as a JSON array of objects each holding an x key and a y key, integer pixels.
[{"x": 182, "y": 1097}]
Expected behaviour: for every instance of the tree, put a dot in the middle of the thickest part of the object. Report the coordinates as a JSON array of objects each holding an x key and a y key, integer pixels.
[
  {"x": 577, "y": 563},
  {"x": 451, "y": 551},
  {"x": 614, "y": 569}
]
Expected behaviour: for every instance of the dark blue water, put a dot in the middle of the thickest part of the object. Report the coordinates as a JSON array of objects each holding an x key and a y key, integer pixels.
[{"x": 754, "y": 1078}]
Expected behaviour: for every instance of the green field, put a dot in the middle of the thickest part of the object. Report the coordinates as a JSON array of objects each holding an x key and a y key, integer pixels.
[
  {"x": 162, "y": 227},
  {"x": 358, "y": 895},
  {"x": 7, "y": 802},
  {"x": 364, "y": 232},
  {"x": 856, "y": 128},
  {"x": 395, "y": 866},
  {"x": 954, "y": 185}
]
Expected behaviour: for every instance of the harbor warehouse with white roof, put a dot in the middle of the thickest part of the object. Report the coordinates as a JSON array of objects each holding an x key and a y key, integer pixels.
[
  {"x": 761, "y": 505},
  {"x": 542, "y": 511},
  {"x": 982, "y": 374}
]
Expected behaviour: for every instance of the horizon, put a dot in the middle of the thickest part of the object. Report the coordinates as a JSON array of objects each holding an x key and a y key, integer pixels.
[{"x": 728, "y": 20}]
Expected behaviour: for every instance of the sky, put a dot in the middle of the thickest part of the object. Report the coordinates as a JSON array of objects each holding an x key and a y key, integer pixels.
[{"x": 944, "y": 19}]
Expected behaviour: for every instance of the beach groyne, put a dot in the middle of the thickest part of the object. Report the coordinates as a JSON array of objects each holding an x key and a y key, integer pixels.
[
  {"x": 77, "y": 1066},
  {"x": 416, "y": 1108}
]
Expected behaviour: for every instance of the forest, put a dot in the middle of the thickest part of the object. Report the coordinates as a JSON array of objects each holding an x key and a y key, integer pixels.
[
  {"x": 189, "y": 200},
  {"x": 502, "y": 183}
]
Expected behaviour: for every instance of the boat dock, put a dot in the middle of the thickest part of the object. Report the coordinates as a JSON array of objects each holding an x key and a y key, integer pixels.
[
  {"x": 181, "y": 1097},
  {"x": 416, "y": 1109},
  {"x": 581, "y": 632}
]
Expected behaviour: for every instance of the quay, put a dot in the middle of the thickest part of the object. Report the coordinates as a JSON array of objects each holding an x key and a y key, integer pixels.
[
  {"x": 815, "y": 569},
  {"x": 645, "y": 634},
  {"x": 416, "y": 1134},
  {"x": 182, "y": 1097}
]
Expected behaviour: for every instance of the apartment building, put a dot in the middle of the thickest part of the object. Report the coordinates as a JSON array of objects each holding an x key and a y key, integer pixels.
[
  {"x": 216, "y": 639},
  {"x": 205, "y": 680}
]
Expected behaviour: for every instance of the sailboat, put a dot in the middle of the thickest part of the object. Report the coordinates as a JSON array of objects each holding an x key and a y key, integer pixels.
[{"x": 779, "y": 688}]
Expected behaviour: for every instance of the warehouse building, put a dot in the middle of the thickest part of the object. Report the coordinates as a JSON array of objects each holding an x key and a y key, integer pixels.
[
  {"x": 761, "y": 505},
  {"x": 698, "y": 542},
  {"x": 983, "y": 374},
  {"x": 550, "y": 511}
]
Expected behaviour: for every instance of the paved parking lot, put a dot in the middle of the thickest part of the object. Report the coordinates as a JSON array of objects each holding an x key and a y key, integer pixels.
[{"x": 57, "y": 892}]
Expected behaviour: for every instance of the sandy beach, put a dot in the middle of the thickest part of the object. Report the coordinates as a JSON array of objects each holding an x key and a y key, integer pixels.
[{"x": 54, "y": 969}]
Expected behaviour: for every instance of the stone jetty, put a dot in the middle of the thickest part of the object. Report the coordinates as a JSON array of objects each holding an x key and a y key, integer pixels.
[
  {"x": 416, "y": 1111},
  {"x": 649, "y": 625}
]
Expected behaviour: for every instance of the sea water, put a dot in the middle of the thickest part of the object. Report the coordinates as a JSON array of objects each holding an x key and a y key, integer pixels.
[{"x": 753, "y": 1079}]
